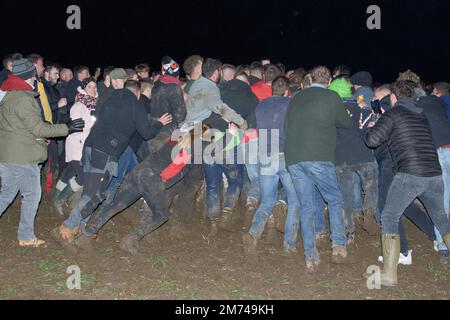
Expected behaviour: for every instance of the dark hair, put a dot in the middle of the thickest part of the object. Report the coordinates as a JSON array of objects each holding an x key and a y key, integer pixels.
[
  {"x": 142, "y": 67},
  {"x": 79, "y": 69},
  {"x": 300, "y": 71},
  {"x": 403, "y": 88},
  {"x": 256, "y": 64},
  {"x": 280, "y": 85},
  {"x": 7, "y": 59},
  {"x": 243, "y": 67},
  {"x": 271, "y": 72},
  {"x": 295, "y": 80},
  {"x": 131, "y": 72},
  {"x": 146, "y": 83},
  {"x": 107, "y": 71},
  {"x": 34, "y": 57},
  {"x": 133, "y": 85},
  {"x": 282, "y": 67},
  {"x": 210, "y": 66},
  {"x": 241, "y": 74},
  {"x": 191, "y": 62}
]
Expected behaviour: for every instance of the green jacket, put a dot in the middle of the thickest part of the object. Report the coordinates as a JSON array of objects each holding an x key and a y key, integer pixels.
[
  {"x": 22, "y": 130},
  {"x": 310, "y": 127}
]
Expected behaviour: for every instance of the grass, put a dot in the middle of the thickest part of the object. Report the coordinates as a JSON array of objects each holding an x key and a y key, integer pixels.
[
  {"x": 439, "y": 273},
  {"x": 166, "y": 285},
  {"x": 8, "y": 292},
  {"x": 158, "y": 261},
  {"x": 328, "y": 284}
]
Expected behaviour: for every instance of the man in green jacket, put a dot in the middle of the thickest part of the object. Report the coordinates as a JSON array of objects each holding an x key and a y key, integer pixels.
[
  {"x": 23, "y": 146},
  {"x": 311, "y": 121}
]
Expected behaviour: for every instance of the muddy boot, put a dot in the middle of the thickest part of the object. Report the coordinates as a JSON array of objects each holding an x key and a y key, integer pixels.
[
  {"x": 248, "y": 220},
  {"x": 226, "y": 221},
  {"x": 340, "y": 255},
  {"x": 312, "y": 266},
  {"x": 250, "y": 243},
  {"x": 252, "y": 204},
  {"x": 321, "y": 239},
  {"x": 85, "y": 243},
  {"x": 370, "y": 224},
  {"x": 391, "y": 252},
  {"x": 65, "y": 237},
  {"x": 445, "y": 255},
  {"x": 279, "y": 213},
  {"x": 130, "y": 244},
  {"x": 60, "y": 200},
  {"x": 289, "y": 252},
  {"x": 272, "y": 232}
]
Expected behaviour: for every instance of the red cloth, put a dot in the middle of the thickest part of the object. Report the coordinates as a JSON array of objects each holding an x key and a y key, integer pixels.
[
  {"x": 176, "y": 166},
  {"x": 166, "y": 79},
  {"x": 249, "y": 135},
  {"x": 262, "y": 90},
  {"x": 14, "y": 83}
]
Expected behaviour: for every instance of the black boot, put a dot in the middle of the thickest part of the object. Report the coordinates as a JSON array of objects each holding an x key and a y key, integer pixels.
[{"x": 61, "y": 199}]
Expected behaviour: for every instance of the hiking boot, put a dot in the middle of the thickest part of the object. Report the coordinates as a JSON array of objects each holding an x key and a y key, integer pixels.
[
  {"x": 340, "y": 255},
  {"x": 289, "y": 252},
  {"x": 250, "y": 243},
  {"x": 370, "y": 224},
  {"x": 85, "y": 243},
  {"x": 252, "y": 204},
  {"x": 391, "y": 252},
  {"x": 351, "y": 238},
  {"x": 65, "y": 237},
  {"x": 226, "y": 219},
  {"x": 33, "y": 243},
  {"x": 445, "y": 256},
  {"x": 321, "y": 238},
  {"x": 279, "y": 212},
  {"x": 130, "y": 244}
]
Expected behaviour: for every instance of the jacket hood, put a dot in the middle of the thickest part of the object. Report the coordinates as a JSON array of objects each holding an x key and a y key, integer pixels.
[
  {"x": 342, "y": 87},
  {"x": 14, "y": 83},
  {"x": 366, "y": 92},
  {"x": 166, "y": 79},
  {"x": 410, "y": 104}
]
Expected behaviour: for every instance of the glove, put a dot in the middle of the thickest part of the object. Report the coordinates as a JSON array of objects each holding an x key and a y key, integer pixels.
[{"x": 76, "y": 125}]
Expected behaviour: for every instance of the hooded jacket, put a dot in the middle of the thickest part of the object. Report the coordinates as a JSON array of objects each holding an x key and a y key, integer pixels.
[
  {"x": 262, "y": 90},
  {"x": 407, "y": 132},
  {"x": 22, "y": 130}
]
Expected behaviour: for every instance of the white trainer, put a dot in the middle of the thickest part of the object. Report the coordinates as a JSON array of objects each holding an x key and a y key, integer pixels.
[{"x": 404, "y": 260}]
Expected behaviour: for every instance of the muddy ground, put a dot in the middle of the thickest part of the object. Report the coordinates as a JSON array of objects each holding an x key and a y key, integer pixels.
[{"x": 193, "y": 266}]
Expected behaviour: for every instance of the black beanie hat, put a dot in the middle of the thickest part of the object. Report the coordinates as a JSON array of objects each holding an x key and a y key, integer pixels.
[
  {"x": 362, "y": 78},
  {"x": 23, "y": 68},
  {"x": 86, "y": 81}
]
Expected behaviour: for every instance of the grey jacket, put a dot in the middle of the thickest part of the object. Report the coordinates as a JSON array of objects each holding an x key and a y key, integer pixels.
[{"x": 204, "y": 99}]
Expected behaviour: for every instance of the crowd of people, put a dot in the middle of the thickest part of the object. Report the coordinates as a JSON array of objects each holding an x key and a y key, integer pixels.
[{"x": 300, "y": 147}]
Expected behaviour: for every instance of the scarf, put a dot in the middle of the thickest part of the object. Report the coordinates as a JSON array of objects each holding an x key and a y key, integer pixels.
[{"x": 86, "y": 99}]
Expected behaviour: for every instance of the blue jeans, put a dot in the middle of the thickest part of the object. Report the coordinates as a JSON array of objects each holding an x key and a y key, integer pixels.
[
  {"x": 213, "y": 178},
  {"x": 444, "y": 159},
  {"x": 127, "y": 161},
  {"x": 252, "y": 186},
  {"x": 269, "y": 194},
  {"x": 358, "y": 206},
  {"x": 306, "y": 176},
  {"x": 320, "y": 223},
  {"x": 403, "y": 190},
  {"x": 25, "y": 178}
]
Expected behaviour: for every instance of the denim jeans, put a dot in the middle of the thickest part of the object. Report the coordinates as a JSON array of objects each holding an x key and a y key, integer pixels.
[
  {"x": 320, "y": 224},
  {"x": 306, "y": 176},
  {"x": 367, "y": 177},
  {"x": 213, "y": 178},
  {"x": 26, "y": 179},
  {"x": 127, "y": 161},
  {"x": 412, "y": 212},
  {"x": 252, "y": 185},
  {"x": 269, "y": 195},
  {"x": 358, "y": 206},
  {"x": 444, "y": 159},
  {"x": 404, "y": 189}
]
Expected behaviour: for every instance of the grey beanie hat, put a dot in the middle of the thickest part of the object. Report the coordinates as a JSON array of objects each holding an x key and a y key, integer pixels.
[{"x": 23, "y": 68}]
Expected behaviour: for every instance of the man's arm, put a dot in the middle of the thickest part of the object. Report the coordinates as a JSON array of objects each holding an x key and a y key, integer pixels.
[
  {"x": 380, "y": 133},
  {"x": 342, "y": 119},
  {"x": 30, "y": 116}
]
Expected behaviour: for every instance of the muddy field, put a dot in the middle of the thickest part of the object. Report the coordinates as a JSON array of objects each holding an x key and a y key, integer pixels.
[{"x": 191, "y": 265}]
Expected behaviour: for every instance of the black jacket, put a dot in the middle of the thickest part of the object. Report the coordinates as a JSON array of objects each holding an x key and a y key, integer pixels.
[
  {"x": 53, "y": 97},
  {"x": 238, "y": 96},
  {"x": 137, "y": 140},
  {"x": 350, "y": 146},
  {"x": 62, "y": 87},
  {"x": 166, "y": 98},
  {"x": 435, "y": 110},
  {"x": 120, "y": 117},
  {"x": 408, "y": 135}
]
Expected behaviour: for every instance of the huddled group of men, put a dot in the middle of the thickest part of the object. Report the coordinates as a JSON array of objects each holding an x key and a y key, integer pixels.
[{"x": 300, "y": 147}]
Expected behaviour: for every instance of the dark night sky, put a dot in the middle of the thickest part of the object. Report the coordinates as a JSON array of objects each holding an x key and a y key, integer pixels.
[{"x": 299, "y": 33}]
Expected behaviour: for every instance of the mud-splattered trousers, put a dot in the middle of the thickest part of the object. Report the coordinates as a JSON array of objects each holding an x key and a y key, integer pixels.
[
  {"x": 213, "y": 178},
  {"x": 99, "y": 168},
  {"x": 269, "y": 180},
  {"x": 368, "y": 175}
]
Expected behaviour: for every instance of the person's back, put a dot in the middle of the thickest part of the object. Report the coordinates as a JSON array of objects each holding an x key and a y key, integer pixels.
[
  {"x": 436, "y": 112},
  {"x": 203, "y": 94},
  {"x": 408, "y": 134},
  {"x": 311, "y": 122},
  {"x": 117, "y": 123}
]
